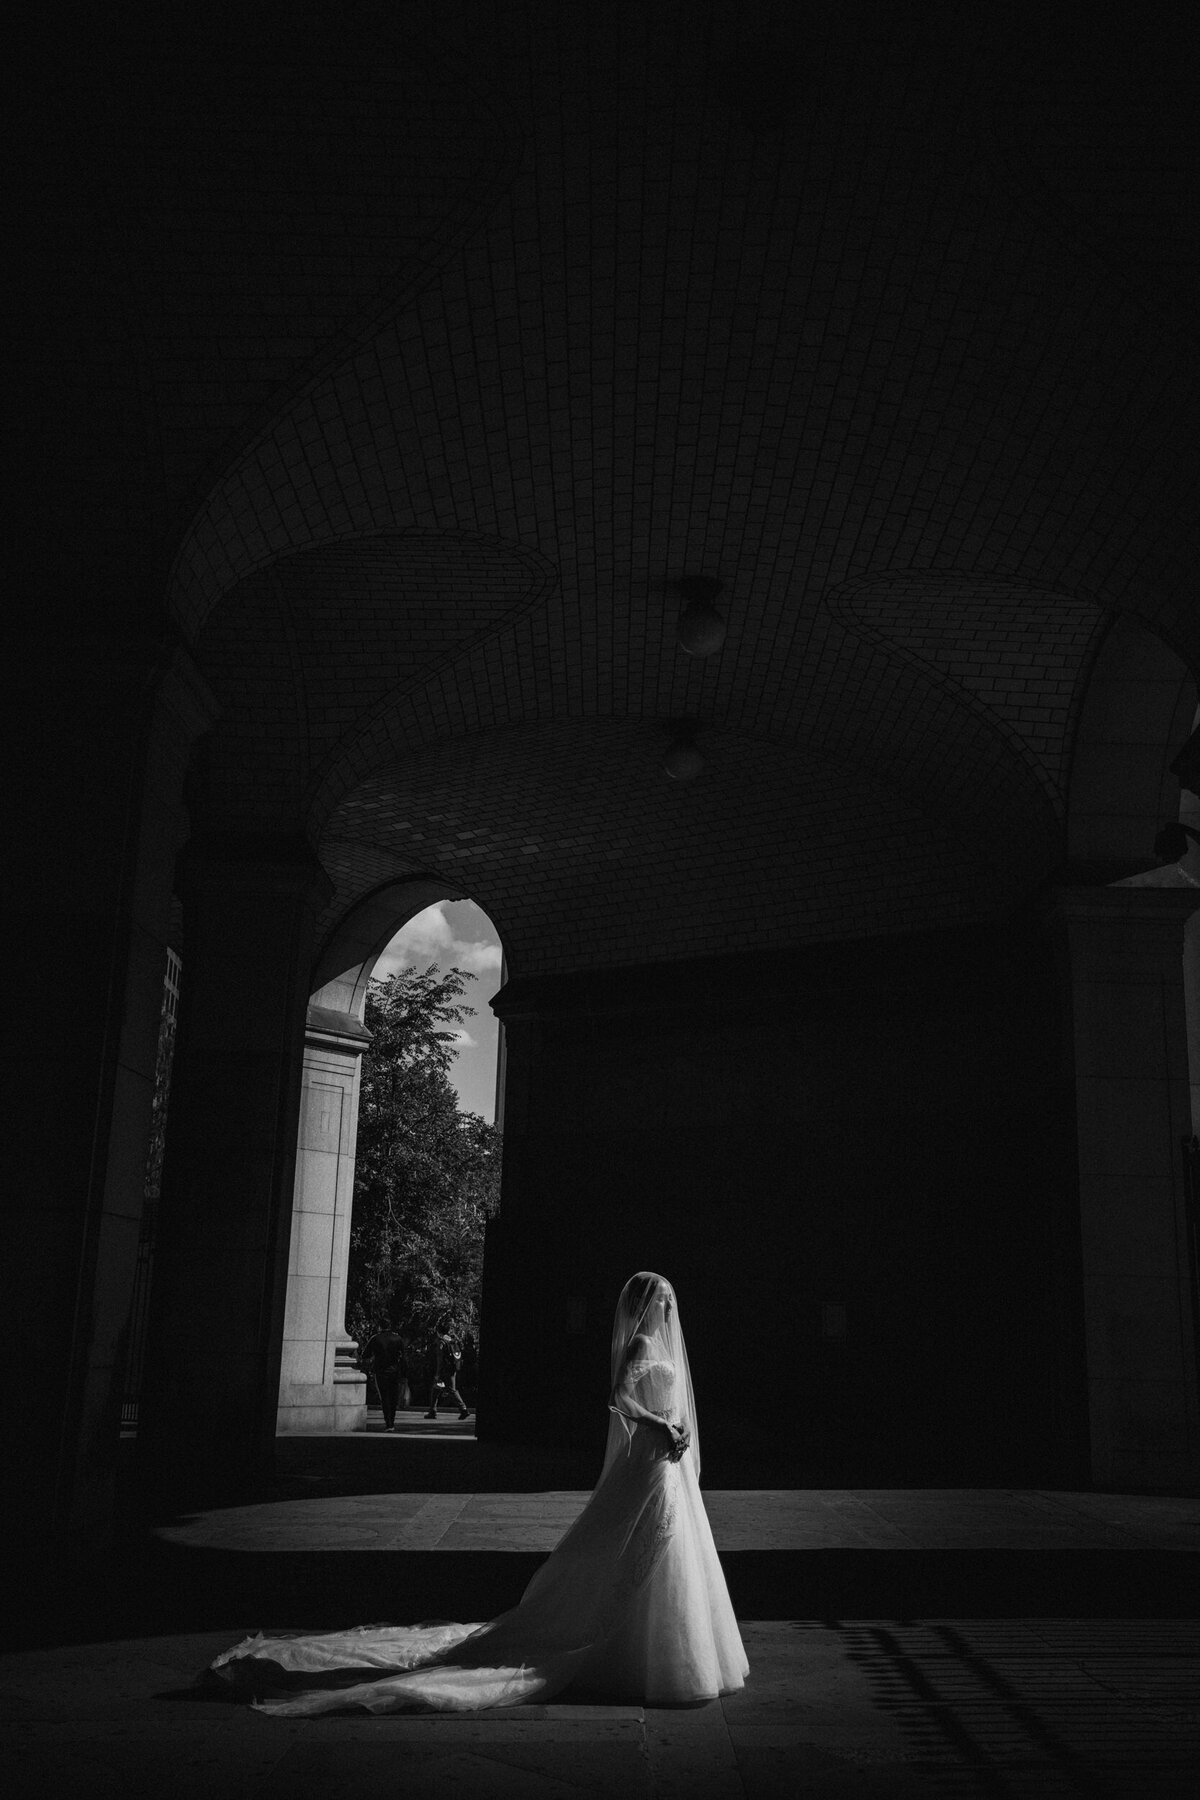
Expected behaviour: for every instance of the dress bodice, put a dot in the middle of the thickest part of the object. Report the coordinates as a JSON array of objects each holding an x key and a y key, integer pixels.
[{"x": 654, "y": 1381}]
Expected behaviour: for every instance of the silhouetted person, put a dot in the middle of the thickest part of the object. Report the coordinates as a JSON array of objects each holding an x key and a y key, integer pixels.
[
  {"x": 445, "y": 1376},
  {"x": 384, "y": 1356}
]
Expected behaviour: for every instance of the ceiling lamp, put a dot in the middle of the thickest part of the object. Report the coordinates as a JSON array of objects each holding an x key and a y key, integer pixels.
[
  {"x": 682, "y": 761},
  {"x": 700, "y": 627}
]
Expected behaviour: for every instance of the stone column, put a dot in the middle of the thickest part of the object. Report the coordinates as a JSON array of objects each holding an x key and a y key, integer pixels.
[
  {"x": 217, "y": 1306},
  {"x": 1132, "y": 1096},
  {"x": 106, "y": 729},
  {"x": 320, "y": 1388}
]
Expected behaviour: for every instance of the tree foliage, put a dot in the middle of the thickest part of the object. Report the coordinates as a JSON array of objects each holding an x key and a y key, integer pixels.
[{"x": 427, "y": 1176}]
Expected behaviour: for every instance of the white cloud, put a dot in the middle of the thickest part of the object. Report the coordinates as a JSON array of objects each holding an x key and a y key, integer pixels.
[
  {"x": 428, "y": 937},
  {"x": 463, "y": 1039},
  {"x": 478, "y": 956},
  {"x": 392, "y": 960}
]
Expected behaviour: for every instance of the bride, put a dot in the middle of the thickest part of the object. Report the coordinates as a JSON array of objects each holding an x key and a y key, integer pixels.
[{"x": 632, "y": 1604}]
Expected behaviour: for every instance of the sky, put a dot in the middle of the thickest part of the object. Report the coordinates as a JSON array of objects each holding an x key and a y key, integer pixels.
[{"x": 458, "y": 934}]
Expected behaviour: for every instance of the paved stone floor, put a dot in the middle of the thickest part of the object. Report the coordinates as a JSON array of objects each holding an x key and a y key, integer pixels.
[{"x": 902, "y": 1642}]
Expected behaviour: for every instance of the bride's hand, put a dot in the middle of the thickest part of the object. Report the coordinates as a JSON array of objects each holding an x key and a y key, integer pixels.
[{"x": 680, "y": 1437}]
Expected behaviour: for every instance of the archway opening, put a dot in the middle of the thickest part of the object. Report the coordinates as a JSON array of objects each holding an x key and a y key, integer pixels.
[
  {"x": 398, "y": 1155},
  {"x": 427, "y": 1163}
]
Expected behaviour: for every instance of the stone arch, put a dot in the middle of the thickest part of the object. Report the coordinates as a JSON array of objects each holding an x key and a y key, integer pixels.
[
  {"x": 321, "y": 1387},
  {"x": 308, "y": 654},
  {"x": 1137, "y": 713},
  {"x": 1132, "y": 934},
  {"x": 1143, "y": 727},
  {"x": 348, "y": 958}
]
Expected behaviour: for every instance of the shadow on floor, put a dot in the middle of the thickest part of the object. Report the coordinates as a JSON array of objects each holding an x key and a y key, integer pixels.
[{"x": 169, "y": 1588}]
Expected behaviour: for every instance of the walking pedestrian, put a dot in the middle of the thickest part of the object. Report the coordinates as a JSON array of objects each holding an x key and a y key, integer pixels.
[
  {"x": 384, "y": 1357},
  {"x": 447, "y": 1363}
]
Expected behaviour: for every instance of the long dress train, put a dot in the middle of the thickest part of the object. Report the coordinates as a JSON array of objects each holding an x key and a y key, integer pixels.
[{"x": 631, "y": 1604}]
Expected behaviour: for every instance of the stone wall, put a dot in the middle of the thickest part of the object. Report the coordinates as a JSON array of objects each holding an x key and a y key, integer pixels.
[{"x": 857, "y": 1166}]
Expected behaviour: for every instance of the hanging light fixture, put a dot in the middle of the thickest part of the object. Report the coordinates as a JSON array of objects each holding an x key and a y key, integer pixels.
[
  {"x": 681, "y": 760},
  {"x": 700, "y": 628}
]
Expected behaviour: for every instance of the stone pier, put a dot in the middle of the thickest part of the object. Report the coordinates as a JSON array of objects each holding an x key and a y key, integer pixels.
[{"x": 321, "y": 1387}]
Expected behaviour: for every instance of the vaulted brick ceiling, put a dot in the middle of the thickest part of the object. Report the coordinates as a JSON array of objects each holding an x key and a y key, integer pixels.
[{"x": 472, "y": 328}]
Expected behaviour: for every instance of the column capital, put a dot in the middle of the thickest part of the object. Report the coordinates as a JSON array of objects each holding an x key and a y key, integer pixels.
[
  {"x": 1118, "y": 903},
  {"x": 103, "y": 659},
  {"x": 279, "y": 861},
  {"x": 184, "y": 697},
  {"x": 148, "y": 682},
  {"x": 328, "y": 1029}
]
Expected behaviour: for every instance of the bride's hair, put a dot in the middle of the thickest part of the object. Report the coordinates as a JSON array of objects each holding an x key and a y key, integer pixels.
[
  {"x": 639, "y": 1292},
  {"x": 634, "y": 1319}
]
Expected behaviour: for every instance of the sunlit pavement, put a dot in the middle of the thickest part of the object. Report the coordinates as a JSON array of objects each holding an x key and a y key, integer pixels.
[
  {"x": 415, "y": 1425},
  {"x": 907, "y": 1642}
]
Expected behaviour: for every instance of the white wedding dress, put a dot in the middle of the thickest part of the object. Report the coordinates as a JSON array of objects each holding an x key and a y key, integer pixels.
[{"x": 631, "y": 1605}]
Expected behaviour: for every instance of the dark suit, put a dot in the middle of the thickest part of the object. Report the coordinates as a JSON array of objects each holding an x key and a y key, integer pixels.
[
  {"x": 445, "y": 1378},
  {"x": 384, "y": 1356}
]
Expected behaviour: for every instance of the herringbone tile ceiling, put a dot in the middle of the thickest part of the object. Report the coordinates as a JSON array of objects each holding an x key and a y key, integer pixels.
[{"x": 470, "y": 329}]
